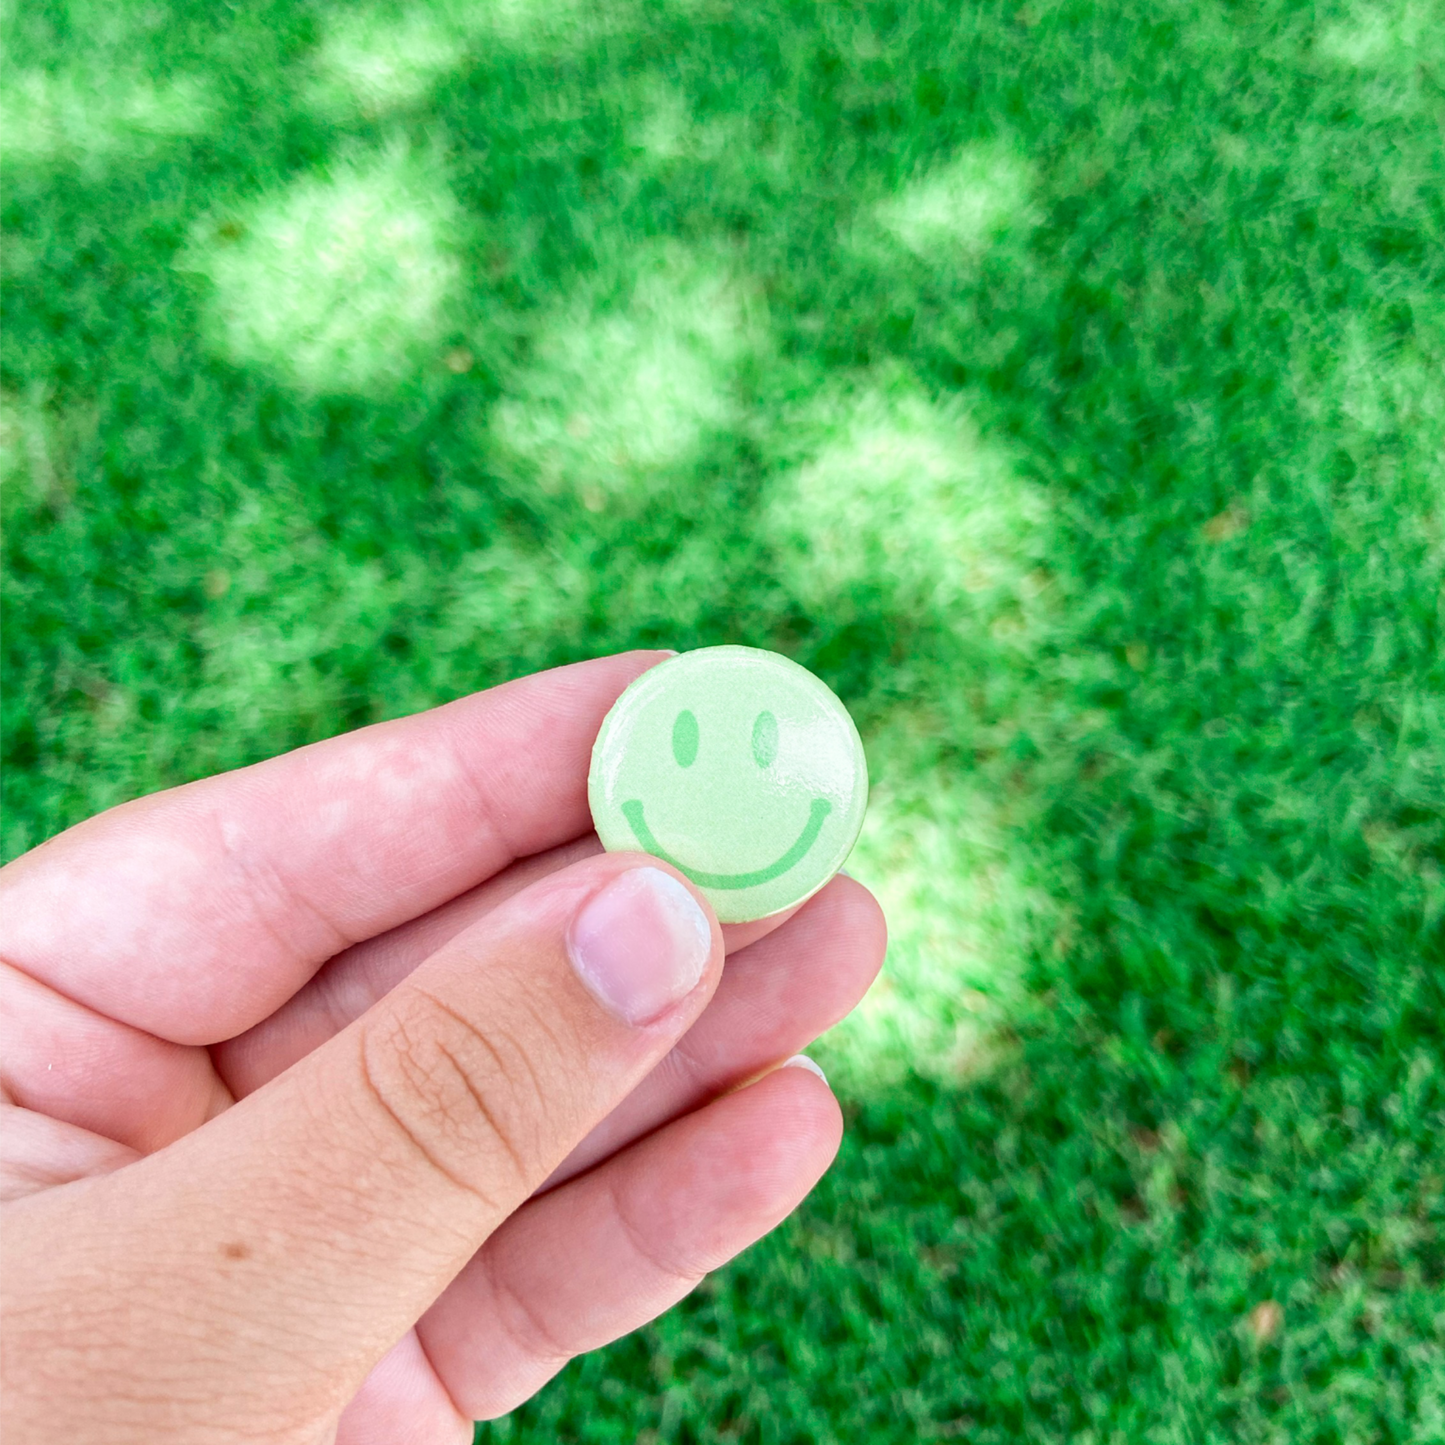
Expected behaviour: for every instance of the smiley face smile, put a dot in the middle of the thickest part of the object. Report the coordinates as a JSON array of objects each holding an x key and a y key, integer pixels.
[{"x": 821, "y": 807}]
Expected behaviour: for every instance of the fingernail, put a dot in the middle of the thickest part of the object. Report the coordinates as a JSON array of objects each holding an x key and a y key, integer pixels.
[
  {"x": 641, "y": 944},
  {"x": 802, "y": 1061}
]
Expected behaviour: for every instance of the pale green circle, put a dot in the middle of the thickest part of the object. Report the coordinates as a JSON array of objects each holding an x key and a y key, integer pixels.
[{"x": 758, "y": 798}]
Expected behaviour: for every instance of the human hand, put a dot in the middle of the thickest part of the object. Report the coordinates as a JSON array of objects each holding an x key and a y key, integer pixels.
[{"x": 349, "y": 1095}]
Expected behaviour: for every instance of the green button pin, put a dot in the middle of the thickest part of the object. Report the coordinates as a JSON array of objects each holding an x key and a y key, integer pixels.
[{"x": 739, "y": 768}]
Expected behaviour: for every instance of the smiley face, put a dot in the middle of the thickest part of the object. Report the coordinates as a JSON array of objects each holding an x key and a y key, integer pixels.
[{"x": 740, "y": 769}]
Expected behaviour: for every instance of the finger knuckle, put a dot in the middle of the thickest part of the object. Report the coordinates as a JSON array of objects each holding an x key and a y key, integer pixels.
[{"x": 465, "y": 1099}]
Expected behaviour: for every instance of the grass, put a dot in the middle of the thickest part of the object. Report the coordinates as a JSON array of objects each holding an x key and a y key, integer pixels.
[{"x": 1064, "y": 382}]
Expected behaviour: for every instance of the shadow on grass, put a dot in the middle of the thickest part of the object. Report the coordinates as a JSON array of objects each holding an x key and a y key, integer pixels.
[{"x": 1061, "y": 383}]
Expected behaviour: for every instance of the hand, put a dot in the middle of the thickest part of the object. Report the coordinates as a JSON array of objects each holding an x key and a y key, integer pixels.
[{"x": 350, "y": 1094}]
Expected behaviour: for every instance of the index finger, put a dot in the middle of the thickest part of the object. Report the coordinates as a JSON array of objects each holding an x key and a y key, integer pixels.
[{"x": 195, "y": 912}]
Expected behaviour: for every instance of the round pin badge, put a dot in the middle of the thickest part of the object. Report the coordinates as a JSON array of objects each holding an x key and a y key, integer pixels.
[{"x": 740, "y": 769}]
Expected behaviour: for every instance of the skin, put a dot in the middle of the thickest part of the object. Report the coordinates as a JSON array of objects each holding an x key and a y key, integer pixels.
[{"x": 311, "y": 1132}]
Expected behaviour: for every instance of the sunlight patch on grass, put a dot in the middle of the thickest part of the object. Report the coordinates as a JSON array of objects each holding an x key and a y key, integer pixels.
[
  {"x": 90, "y": 115},
  {"x": 552, "y": 26},
  {"x": 665, "y": 125},
  {"x": 1390, "y": 393},
  {"x": 371, "y": 62},
  {"x": 26, "y": 469},
  {"x": 1383, "y": 36},
  {"x": 377, "y": 59},
  {"x": 46, "y": 452},
  {"x": 959, "y": 207},
  {"x": 907, "y": 495},
  {"x": 340, "y": 283},
  {"x": 391, "y": 53},
  {"x": 963, "y": 917},
  {"x": 662, "y": 125},
  {"x": 626, "y": 384}
]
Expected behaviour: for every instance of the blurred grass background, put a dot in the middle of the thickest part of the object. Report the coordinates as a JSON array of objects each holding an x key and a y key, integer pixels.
[{"x": 1062, "y": 380}]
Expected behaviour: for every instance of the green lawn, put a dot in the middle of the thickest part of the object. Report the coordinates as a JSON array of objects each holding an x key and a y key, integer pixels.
[{"x": 1063, "y": 381}]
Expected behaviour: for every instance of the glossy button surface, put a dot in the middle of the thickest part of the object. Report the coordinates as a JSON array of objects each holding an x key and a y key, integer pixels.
[{"x": 739, "y": 768}]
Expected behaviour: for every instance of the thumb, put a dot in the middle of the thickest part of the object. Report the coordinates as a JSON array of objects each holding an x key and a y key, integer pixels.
[{"x": 308, "y": 1227}]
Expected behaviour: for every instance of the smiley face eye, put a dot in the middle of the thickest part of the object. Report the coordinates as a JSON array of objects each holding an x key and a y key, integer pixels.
[
  {"x": 684, "y": 739},
  {"x": 765, "y": 739}
]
